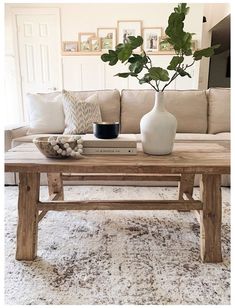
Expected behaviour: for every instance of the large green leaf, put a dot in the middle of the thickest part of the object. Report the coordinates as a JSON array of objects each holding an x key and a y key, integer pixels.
[
  {"x": 135, "y": 41},
  {"x": 206, "y": 52},
  {"x": 175, "y": 25},
  {"x": 182, "y": 8},
  {"x": 136, "y": 67},
  {"x": 110, "y": 57},
  {"x": 158, "y": 73},
  {"x": 138, "y": 58},
  {"x": 174, "y": 62},
  {"x": 183, "y": 73},
  {"x": 105, "y": 57},
  {"x": 123, "y": 75},
  {"x": 145, "y": 79},
  {"x": 119, "y": 47},
  {"x": 125, "y": 53}
]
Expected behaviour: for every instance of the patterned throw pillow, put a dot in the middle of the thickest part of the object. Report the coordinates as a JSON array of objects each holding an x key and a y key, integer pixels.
[{"x": 80, "y": 114}]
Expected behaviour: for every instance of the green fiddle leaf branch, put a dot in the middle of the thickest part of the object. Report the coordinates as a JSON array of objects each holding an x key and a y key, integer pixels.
[
  {"x": 139, "y": 63},
  {"x": 206, "y": 52}
]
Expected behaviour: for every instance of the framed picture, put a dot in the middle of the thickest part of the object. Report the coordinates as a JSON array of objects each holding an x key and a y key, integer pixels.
[
  {"x": 70, "y": 46},
  {"x": 84, "y": 41},
  {"x": 128, "y": 28},
  {"x": 94, "y": 44},
  {"x": 151, "y": 38},
  {"x": 107, "y": 37},
  {"x": 165, "y": 46}
]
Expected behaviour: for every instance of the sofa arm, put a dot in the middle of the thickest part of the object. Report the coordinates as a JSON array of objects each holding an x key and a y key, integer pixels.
[{"x": 12, "y": 132}]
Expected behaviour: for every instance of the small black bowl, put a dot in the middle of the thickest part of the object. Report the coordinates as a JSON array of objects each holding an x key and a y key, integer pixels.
[{"x": 106, "y": 130}]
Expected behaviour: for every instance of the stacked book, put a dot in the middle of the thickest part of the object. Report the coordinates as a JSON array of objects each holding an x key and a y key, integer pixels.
[{"x": 123, "y": 144}]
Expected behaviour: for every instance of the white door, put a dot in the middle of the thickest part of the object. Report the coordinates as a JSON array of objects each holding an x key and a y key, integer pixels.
[{"x": 39, "y": 53}]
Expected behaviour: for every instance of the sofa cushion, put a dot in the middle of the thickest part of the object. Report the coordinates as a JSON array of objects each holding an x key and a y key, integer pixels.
[
  {"x": 80, "y": 114},
  {"x": 189, "y": 107},
  {"x": 218, "y": 110},
  {"x": 46, "y": 114},
  {"x": 109, "y": 102},
  {"x": 198, "y": 137}
]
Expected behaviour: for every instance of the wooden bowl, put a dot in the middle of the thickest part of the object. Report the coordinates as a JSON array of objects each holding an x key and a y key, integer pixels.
[{"x": 46, "y": 148}]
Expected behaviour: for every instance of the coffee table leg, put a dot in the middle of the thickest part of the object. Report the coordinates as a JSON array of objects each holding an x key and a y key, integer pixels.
[
  {"x": 27, "y": 229},
  {"x": 185, "y": 186},
  {"x": 55, "y": 185},
  {"x": 210, "y": 226}
]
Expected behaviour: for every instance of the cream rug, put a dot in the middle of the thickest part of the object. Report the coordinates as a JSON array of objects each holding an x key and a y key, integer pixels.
[{"x": 118, "y": 257}]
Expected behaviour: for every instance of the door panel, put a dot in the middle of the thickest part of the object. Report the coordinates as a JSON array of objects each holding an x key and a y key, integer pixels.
[{"x": 39, "y": 53}]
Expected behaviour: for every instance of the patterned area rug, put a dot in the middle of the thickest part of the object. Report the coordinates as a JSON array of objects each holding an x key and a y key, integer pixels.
[{"x": 116, "y": 257}]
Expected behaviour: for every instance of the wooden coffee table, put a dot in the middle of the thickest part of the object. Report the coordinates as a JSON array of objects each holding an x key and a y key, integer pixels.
[{"x": 210, "y": 159}]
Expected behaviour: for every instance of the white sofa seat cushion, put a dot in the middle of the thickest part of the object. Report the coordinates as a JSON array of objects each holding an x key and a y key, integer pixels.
[
  {"x": 198, "y": 137},
  {"x": 179, "y": 136},
  {"x": 189, "y": 107},
  {"x": 218, "y": 110},
  {"x": 46, "y": 115}
]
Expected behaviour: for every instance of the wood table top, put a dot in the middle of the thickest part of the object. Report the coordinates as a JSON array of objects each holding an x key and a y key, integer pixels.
[{"x": 187, "y": 157}]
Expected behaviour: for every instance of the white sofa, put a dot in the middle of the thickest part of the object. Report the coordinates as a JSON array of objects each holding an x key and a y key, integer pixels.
[{"x": 201, "y": 115}]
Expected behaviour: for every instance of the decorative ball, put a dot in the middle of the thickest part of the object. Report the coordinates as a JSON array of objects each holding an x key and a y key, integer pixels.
[
  {"x": 53, "y": 142},
  {"x": 51, "y": 138},
  {"x": 56, "y": 147}
]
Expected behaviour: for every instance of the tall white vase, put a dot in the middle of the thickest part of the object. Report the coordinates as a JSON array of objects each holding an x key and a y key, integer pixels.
[{"x": 158, "y": 128}]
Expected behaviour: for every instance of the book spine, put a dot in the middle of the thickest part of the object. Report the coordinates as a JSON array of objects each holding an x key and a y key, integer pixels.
[
  {"x": 108, "y": 144},
  {"x": 110, "y": 151}
]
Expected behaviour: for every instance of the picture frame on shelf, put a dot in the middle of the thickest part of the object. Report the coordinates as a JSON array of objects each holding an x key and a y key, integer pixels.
[
  {"x": 94, "y": 44},
  {"x": 70, "y": 46},
  {"x": 128, "y": 28},
  {"x": 151, "y": 38},
  {"x": 165, "y": 46},
  {"x": 107, "y": 38},
  {"x": 84, "y": 41}
]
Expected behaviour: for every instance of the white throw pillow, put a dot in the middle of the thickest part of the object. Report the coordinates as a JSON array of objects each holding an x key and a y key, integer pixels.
[
  {"x": 80, "y": 114},
  {"x": 45, "y": 116}
]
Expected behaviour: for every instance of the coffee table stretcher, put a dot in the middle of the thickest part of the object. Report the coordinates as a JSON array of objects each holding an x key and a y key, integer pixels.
[{"x": 31, "y": 210}]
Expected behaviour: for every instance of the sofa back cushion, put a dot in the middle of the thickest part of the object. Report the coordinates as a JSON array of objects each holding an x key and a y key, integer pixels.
[
  {"x": 45, "y": 114},
  {"x": 189, "y": 107},
  {"x": 218, "y": 110},
  {"x": 108, "y": 100}
]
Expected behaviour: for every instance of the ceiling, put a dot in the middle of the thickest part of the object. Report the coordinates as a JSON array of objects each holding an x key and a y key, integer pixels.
[{"x": 221, "y": 35}]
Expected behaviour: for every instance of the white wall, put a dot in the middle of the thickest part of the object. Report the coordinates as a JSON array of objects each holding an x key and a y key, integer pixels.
[
  {"x": 215, "y": 12},
  {"x": 87, "y": 17}
]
